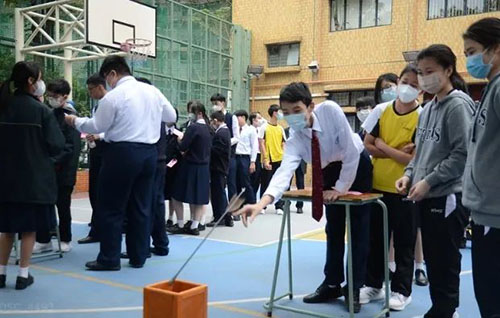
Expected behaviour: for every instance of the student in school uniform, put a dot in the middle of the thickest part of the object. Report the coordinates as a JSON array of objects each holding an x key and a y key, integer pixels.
[
  {"x": 173, "y": 158},
  {"x": 31, "y": 136},
  {"x": 364, "y": 106},
  {"x": 299, "y": 177},
  {"x": 322, "y": 136},
  {"x": 482, "y": 170},
  {"x": 194, "y": 186},
  {"x": 272, "y": 138},
  {"x": 258, "y": 122},
  {"x": 390, "y": 132},
  {"x": 433, "y": 179},
  {"x": 246, "y": 155},
  {"x": 219, "y": 167}
]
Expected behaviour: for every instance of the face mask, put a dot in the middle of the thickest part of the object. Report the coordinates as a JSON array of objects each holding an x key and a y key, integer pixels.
[
  {"x": 363, "y": 114},
  {"x": 406, "y": 93},
  {"x": 55, "y": 102},
  {"x": 477, "y": 68},
  {"x": 39, "y": 88},
  {"x": 296, "y": 121},
  {"x": 217, "y": 108},
  {"x": 280, "y": 115},
  {"x": 430, "y": 83},
  {"x": 389, "y": 94}
]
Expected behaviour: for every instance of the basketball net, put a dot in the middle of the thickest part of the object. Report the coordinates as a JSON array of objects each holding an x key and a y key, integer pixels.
[{"x": 137, "y": 50}]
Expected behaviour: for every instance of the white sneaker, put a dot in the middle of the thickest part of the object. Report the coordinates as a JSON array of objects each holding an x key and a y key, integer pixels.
[
  {"x": 398, "y": 302},
  {"x": 263, "y": 211},
  {"x": 65, "y": 247},
  {"x": 455, "y": 315},
  {"x": 42, "y": 248},
  {"x": 279, "y": 211},
  {"x": 368, "y": 294}
]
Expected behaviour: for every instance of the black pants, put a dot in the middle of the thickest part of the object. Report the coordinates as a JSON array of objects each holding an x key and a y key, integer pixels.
[
  {"x": 95, "y": 160},
  {"x": 126, "y": 188},
  {"x": 64, "y": 212},
  {"x": 218, "y": 195},
  {"x": 255, "y": 177},
  {"x": 486, "y": 270},
  {"x": 299, "y": 181},
  {"x": 243, "y": 178},
  {"x": 267, "y": 175},
  {"x": 158, "y": 233},
  {"x": 441, "y": 238},
  {"x": 231, "y": 178},
  {"x": 403, "y": 223},
  {"x": 336, "y": 224}
]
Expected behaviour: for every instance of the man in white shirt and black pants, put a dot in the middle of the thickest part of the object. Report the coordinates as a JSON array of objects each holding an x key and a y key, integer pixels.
[
  {"x": 246, "y": 154},
  {"x": 322, "y": 136},
  {"x": 130, "y": 115}
]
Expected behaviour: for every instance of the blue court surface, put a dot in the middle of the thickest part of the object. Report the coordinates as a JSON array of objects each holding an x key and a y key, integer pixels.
[{"x": 238, "y": 275}]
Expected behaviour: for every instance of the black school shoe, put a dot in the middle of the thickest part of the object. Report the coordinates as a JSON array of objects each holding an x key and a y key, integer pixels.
[
  {"x": 201, "y": 227},
  {"x": 421, "y": 278},
  {"x": 159, "y": 251},
  {"x": 96, "y": 266},
  {"x": 229, "y": 222},
  {"x": 23, "y": 283},
  {"x": 3, "y": 279},
  {"x": 176, "y": 229},
  {"x": 356, "y": 305},
  {"x": 323, "y": 294}
]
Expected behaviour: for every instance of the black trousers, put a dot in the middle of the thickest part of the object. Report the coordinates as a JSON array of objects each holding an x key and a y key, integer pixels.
[
  {"x": 64, "y": 212},
  {"x": 267, "y": 175},
  {"x": 486, "y": 270},
  {"x": 243, "y": 178},
  {"x": 126, "y": 189},
  {"x": 403, "y": 223},
  {"x": 441, "y": 238},
  {"x": 255, "y": 177},
  {"x": 300, "y": 182},
  {"x": 158, "y": 233},
  {"x": 95, "y": 161},
  {"x": 336, "y": 225},
  {"x": 231, "y": 178},
  {"x": 218, "y": 195}
]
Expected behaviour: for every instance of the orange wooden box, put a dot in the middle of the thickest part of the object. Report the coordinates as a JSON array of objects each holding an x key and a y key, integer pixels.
[{"x": 182, "y": 299}]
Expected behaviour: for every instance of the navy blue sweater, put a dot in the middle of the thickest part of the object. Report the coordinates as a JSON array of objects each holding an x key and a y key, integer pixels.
[{"x": 196, "y": 144}]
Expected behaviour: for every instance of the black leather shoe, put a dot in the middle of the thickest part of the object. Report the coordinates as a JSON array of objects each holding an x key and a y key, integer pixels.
[
  {"x": 421, "y": 278},
  {"x": 323, "y": 294},
  {"x": 213, "y": 223},
  {"x": 96, "y": 266},
  {"x": 159, "y": 251},
  {"x": 191, "y": 231},
  {"x": 136, "y": 265},
  {"x": 124, "y": 255},
  {"x": 356, "y": 306},
  {"x": 201, "y": 227},
  {"x": 229, "y": 222},
  {"x": 23, "y": 283},
  {"x": 236, "y": 218},
  {"x": 175, "y": 229},
  {"x": 300, "y": 211},
  {"x": 3, "y": 278},
  {"x": 169, "y": 223},
  {"x": 87, "y": 240}
]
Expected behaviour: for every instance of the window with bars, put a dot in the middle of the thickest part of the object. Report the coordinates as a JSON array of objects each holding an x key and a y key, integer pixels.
[
  {"x": 283, "y": 54},
  {"x": 348, "y": 98},
  {"x": 355, "y": 14},
  {"x": 454, "y": 8}
]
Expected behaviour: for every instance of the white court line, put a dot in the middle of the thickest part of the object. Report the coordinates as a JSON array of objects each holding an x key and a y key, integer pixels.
[{"x": 223, "y": 241}]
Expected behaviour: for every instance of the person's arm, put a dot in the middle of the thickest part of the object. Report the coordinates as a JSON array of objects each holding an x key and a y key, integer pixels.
[
  {"x": 395, "y": 154},
  {"x": 188, "y": 138},
  {"x": 236, "y": 131},
  {"x": 369, "y": 143},
  {"x": 254, "y": 146},
  {"x": 54, "y": 138},
  {"x": 102, "y": 120},
  {"x": 168, "y": 112}
]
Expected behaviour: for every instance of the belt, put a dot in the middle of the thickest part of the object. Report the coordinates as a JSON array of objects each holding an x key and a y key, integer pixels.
[{"x": 242, "y": 156}]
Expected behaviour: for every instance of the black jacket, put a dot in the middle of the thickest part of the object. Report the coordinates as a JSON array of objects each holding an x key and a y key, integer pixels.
[
  {"x": 29, "y": 137},
  {"x": 66, "y": 163},
  {"x": 221, "y": 151}
]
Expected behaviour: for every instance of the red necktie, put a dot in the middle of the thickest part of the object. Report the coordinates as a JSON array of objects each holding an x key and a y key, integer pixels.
[{"x": 317, "y": 179}]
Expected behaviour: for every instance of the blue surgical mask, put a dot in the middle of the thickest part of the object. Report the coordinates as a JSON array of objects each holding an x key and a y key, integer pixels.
[
  {"x": 477, "y": 68},
  {"x": 296, "y": 121},
  {"x": 280, "y": 115},
  {"x": 389, "y": 94}
]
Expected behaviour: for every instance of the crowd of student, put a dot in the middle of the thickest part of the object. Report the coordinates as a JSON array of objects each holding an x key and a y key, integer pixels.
[{"x": 427, "y": 159}]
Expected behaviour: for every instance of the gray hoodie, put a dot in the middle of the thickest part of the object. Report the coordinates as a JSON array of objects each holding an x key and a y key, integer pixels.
[
  {"x": 441, "y": 143},
  {"x": 482, "y": 172}
]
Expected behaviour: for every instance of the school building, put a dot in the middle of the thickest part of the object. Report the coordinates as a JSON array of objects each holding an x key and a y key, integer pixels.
[{"x": 342, "y": 46}]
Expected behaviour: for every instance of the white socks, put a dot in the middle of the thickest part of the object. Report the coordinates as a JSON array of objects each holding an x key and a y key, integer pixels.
[
  {"x": 180, "y": 223},
  {"x": 3, "y": 270},
  {"x": 392, "y": 266},
  {"x": 194, "y": 225},
  {"x": 419, "y": 266},
  {"x": 23, "y": 272}
]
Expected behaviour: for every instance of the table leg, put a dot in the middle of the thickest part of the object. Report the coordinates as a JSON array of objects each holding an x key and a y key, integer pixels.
[
  {"x": 289, "y": 235},
  {"x": 349, "y": 261},
  {"x": 386, "y": 255}
]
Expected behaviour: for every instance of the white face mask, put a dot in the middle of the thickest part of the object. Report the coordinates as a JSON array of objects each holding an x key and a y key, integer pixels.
[
  {"x": 430, "y": 83},
  {"x": 39, "y": 88},
  {"x": 406, "y": 93},
  {"x": 363, "y": 114},
  {"x": 55, "y": 102}
]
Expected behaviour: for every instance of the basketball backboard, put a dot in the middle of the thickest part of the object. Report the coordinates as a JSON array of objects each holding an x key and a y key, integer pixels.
[{"x": 110, "y": 23}]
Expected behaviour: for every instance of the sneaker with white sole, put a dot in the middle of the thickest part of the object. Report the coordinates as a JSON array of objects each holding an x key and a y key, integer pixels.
[
  {"x": 368, "y": 294},
  {"x": 279, "y": 211},
  {"x": 42, "y": 248},
  {"x": 398, "y": 301},
  {"x": 65, "y": 247},
  {"x": 455, "y": 315}
]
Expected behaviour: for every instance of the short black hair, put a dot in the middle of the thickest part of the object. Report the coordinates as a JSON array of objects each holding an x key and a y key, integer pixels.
[
  {"x": 410, "y": 68},
  {"x": 143, "y": 80},
  {"x": 365, "y": 101},
  {"x": 485, "y": 32},
  {"x": 218, "y": 98},
  {"x": 59, "y": 86},
  {"x": 253, "y": 116},
  {"x": 241, "y": 113},
  {"x": 96, "y": 80},
  {"x": 272, "y": 109},
  {"x": 296, "y": 92},
  {"x": 219, "y": 116},
  {"x": 114, "y": 63}
]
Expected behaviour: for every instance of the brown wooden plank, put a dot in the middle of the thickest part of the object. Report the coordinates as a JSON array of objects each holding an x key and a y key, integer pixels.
[{"x": 306, "y": 194}]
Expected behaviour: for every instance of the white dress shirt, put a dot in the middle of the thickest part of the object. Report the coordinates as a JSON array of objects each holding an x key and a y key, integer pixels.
[
  {"x": 236, "y": 129},
  {"x": 131, "y": 112},
  {"x": 337, "y": 143},
  {"x": 248, "y": 143}
]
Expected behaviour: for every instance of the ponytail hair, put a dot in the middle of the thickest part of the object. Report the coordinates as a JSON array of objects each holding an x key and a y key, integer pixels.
[
  {"x": 21, "y": 72},
  {"x": 444, "y": 56},
  {"x": 197, "y": 107}
]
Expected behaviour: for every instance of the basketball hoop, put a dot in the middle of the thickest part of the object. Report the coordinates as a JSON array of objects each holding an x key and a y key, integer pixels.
[{"x": 137, "y": 50}]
